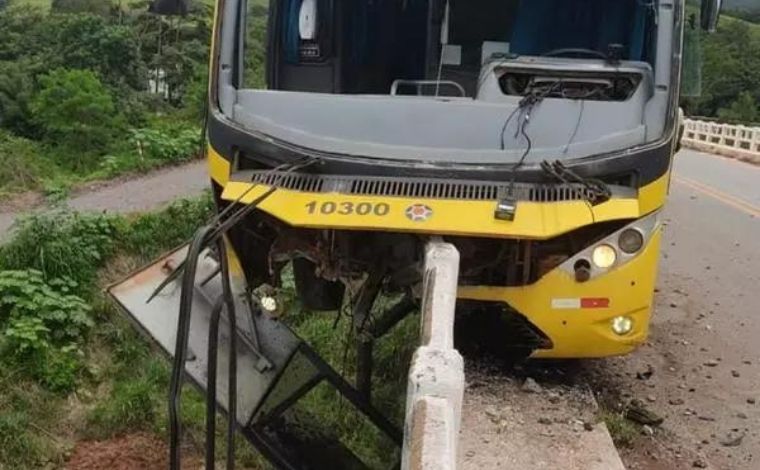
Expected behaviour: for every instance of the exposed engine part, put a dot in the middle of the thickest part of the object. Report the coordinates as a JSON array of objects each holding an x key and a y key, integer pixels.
[
  {"x": 495, "y": 329},
  {"x": 316, "y": 293},
  {"x": 595, "y": 87},
  {"x": 332, "y": 257}
]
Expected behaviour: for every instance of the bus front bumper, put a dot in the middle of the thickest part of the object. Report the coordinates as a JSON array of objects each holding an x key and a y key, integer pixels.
[{"x": 578, "y": 317}]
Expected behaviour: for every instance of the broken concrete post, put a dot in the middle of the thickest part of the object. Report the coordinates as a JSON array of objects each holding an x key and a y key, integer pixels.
[{"x": 436, "y": 378}]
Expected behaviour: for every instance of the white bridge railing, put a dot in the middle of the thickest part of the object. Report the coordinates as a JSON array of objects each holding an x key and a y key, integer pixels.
[{"x": 739, "y": 141}]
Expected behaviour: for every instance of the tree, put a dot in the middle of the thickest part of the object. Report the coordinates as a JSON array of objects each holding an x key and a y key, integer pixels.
[
  {"x": 744, "y": 109},
  {"x": 16, "y": 24},
  {"x": 86, "y": 41},
  {"x": 731, "y": 66},
  {"x": 76, "y": 111},
  {"x": 16, "y": 89}
]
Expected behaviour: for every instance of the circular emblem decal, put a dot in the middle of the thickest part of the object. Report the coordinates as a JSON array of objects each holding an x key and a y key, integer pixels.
[{"x": 419, "y": 213}]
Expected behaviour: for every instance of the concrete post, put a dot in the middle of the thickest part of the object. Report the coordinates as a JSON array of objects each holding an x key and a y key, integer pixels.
[{"x": 436, "y": 378}]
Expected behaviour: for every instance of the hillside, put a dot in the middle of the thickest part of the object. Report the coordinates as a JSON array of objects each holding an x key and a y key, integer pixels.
[{"x": 742, "y": 4}]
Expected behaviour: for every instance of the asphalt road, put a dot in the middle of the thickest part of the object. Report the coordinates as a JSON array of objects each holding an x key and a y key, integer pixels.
[
  {"x": 705, "y": 346},
  {"x": 140, "y": 194}
]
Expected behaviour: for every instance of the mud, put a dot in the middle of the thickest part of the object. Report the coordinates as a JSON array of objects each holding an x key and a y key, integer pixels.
[{"x": 130, "y": 452}]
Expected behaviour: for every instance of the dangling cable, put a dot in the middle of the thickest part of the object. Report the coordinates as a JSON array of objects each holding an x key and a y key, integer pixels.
[
  {"x": 577, "y": 128},
  {"x": 236, "y": 213}
]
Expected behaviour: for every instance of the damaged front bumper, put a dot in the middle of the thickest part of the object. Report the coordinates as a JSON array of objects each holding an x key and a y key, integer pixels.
[{"x": 578, "y": 317}]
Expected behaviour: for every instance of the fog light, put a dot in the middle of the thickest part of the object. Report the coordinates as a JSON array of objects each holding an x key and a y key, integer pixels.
[
  {"x": 631, "y": 241},
  {"x": 582, "y": 271},
  {"x": 604, "y": 256},
  {"x": 621, "y": 326}
]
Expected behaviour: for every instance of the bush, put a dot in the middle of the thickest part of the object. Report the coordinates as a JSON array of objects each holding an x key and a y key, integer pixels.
[
  {"x": 744, "y": 109},
  {"x": 62, "y": 244},
  {"x": 76, "y": 111},
  {"x": 43, "y": 323},
  {"x": 166, "y": 145},
  {"x": 151, "y": 234},
  {"x": 99, "y": 7},
  {"x": 22, "y": 165}
]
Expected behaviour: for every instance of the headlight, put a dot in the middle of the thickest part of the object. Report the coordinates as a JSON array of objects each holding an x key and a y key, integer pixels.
[
  {"x": 613, "y": 251},
  {"x": 631, "y": 241},
  {"x": 604, "y": 256}
]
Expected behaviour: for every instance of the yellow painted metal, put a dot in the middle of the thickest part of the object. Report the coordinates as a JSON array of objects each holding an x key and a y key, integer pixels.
[
  {"x": 652, "y": 196},
  {"x": 450, "y": 217},
  {"x": 218, "y": 167},
  {"x": 579, "y": 333}
]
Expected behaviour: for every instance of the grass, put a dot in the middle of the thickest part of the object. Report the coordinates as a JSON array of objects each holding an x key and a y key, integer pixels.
[
  {"x": 624, "y": 432},
  {"x": 392, "y": 357},
  {"x": 122, "y": 383},
  {"x": 33, "y": 166},
  {"x": 31, "y": 421},
  {"x": 45, "y": 4}
]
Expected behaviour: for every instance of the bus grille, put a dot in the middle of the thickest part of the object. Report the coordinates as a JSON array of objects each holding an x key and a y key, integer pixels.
[{"x": 418, "y": 187}]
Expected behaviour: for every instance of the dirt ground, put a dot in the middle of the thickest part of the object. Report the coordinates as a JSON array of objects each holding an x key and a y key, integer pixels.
[{"x": 130, "y": 452}]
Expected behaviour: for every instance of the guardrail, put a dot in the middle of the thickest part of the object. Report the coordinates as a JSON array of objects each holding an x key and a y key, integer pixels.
[
  {"x": 739, "y": 141},
  {"x": 436, "y": 378}
]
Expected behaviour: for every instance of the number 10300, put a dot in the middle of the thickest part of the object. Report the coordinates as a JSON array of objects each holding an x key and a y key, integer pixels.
[{"x": 348, "y": 208}]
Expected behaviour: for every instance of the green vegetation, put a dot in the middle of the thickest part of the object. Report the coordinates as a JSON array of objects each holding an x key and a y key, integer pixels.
[
  {"x": 62, "y": 343},
  {"x": 79, "y": 99},
  {"x": 624, "y": 432},
  {"x": 731, "y": 74},
  {"x": 332, "y": 338},
  {"x": 74, "y": 110}
]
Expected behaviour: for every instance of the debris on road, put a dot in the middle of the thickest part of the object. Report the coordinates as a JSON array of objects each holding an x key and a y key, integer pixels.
[
  {"x": 640, "y": 414},
  {"x": 733, "y": 439},
  {"x": 647, "y": 374},
  {"x": 531, "y": 386}
]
